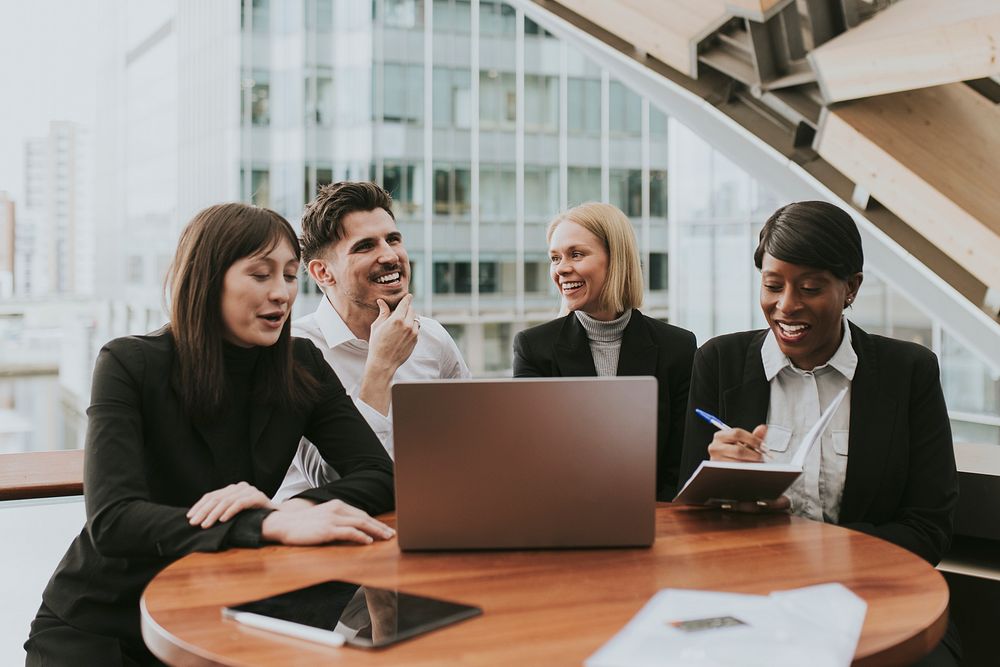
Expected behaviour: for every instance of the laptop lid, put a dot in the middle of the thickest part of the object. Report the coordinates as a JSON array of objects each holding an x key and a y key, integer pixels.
[{"x": 525, "y": 463}]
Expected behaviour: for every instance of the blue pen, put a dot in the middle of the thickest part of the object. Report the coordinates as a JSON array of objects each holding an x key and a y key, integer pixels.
[
  {"x": 722, "y": 426},
  {"x": 711, "y": 419}
]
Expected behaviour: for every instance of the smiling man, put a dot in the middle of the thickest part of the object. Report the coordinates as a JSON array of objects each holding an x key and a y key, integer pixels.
[{"x": 365, "y": 326}]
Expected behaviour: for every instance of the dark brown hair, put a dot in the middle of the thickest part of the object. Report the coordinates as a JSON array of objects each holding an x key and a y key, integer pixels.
[
  {"x": 813, "y": 233},
  {"x": 213, "y": 241},
  {"x": 322, "y": 221}
]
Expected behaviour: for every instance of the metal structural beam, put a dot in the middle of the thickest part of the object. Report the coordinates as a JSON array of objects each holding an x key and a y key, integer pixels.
[{"x": 793, "y": 176}]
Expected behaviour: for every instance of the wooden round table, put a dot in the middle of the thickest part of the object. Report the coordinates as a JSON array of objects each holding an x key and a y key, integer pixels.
[{"x": 547, "y": 607}]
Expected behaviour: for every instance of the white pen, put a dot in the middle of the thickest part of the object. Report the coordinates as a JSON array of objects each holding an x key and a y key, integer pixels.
[{"x": 328, "y": 637}]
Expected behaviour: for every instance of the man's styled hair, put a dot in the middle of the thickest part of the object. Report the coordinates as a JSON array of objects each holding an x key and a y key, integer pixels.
[
  {"x": 623, "y": 286},
  {"x": 214, "y": 240},
  {"x": 322, "y": 221},
  {"x": 813, "y": 233}
]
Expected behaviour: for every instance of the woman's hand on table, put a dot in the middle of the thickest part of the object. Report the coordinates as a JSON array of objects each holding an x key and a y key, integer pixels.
[
  {"x": 225, "y": 503},
  {"x": 331, "y": 521}
]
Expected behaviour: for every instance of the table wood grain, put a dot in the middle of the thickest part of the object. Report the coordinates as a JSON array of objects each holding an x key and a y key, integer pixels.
[
  {"x": 41, "y": 474},
  {"x": 546, "y": 607}
]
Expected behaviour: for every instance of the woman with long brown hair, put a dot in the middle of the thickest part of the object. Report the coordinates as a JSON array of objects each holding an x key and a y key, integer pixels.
[{"x": 191, "y": 429}]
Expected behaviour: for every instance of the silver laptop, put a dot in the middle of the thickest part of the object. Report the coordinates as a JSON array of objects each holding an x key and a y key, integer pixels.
[{"x": 525, "y": 463}]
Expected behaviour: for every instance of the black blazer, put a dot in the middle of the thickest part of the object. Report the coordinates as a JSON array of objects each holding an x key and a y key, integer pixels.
[
  {"x": 901, "y": 481},
  {"x": 560, "y": 348},
  {"x": 146, "y": 463}
]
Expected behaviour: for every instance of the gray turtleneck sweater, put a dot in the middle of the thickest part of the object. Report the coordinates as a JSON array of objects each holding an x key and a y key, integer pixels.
[{"x": 605, "y": 340}]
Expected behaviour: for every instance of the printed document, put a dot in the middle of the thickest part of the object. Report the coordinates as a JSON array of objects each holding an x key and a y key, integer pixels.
[{"x": 818, "y": 626}]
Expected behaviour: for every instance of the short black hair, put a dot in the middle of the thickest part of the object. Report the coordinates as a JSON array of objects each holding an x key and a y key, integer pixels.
[{"x": 813, "y": 233}]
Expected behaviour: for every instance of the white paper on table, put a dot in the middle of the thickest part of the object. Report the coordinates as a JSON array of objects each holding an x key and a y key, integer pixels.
[{"x": 817, "y": 626}]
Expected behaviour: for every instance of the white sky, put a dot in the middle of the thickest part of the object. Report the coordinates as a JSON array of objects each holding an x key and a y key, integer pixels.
[{"x": 48, "y": 68}]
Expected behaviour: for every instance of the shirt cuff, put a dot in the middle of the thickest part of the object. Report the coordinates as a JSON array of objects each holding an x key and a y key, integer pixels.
[
  {"x": 381, "y": 424},
  {"x": 246, "y": 529}
]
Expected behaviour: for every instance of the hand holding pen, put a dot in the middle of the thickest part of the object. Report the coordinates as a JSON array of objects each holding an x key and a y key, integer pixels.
[{"x": 735, "y": 444}]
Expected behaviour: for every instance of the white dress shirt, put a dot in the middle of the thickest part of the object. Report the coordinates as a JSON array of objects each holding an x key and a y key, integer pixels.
[
  {"x": 797, "y": 399},
  {"x": 434, "y": 356}
]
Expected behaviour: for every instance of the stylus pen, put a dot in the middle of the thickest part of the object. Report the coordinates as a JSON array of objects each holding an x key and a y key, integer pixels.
[
  {"x": 328, "y": 637},
  {"x": 722, "y": 426}
]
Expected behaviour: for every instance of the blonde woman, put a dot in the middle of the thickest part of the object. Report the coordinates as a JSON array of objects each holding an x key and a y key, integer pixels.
[{"x": 595, "y": 264}]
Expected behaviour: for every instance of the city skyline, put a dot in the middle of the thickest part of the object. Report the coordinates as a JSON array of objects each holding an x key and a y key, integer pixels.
[
  {"x": 483, "y": 127},
  {"x": 48, "y": 63}
]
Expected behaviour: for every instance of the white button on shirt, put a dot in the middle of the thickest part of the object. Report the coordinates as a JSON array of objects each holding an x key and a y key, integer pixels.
[
  {"x": 797, "y": 399},
  {"x": 434, "y": 356}
]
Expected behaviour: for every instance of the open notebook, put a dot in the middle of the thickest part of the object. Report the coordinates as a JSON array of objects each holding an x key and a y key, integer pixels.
[{"x": 718, "y": 481}]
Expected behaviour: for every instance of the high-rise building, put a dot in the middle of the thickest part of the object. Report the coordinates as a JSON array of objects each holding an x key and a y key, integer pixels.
[
  {"x": 483, "y": 125},
  {"x": 54, "y": 237},
  {"x": 7, "y": 247}
]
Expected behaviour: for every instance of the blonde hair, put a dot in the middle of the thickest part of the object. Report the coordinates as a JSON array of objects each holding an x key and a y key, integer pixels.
[{"x": 623, "y": 286}]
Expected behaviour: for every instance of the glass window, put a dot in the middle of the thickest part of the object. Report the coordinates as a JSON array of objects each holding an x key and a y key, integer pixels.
[
  {"x": 730, "y": 189},
  {"x": 625, "y": 111},
  {"x": 319, "y": 98},
  {"x": 497, "y": 346},
  {"x": 497, "y": 191},
  {"x": 658, "y": 271},
  {"x": 496, "y": 19},
  {"x": 442, "y": 94},
  {"x": 536, "y": 277},
  {"x": 260, "y": 187},
  {"x": 444, "y": 277},
  {"x": 402, "y": 181},
  {"x": 541, "y": 191},
  {"x": 657, "y": 123},
  {"x": 584, "y": 184},
  {"x": 497, "y": 99},
  {"x": 404, "y": 93},
  {"x": 259, "y": 98},
  {"x": 968, "y": 384},
  {"x": 404, "y": 13},
  {"x": 463, "y": 190},
  {"x": 626, "y": 191},
  {"x": 489, "y": 277},
  {"x": 584, "y": 106},
  {"x": 451, "y": 97},
  {"x": 451, "y": 190},
  {"x": 442, "y": 190},
  {"x": 541, "y": 103},
  {"x": 260, "y": 15},
  {"x": 457, "y": 333},
  {"x": 532, "y": 28},
  {"x": 452, "y": 16},
  {"x": 658, "y": 193},
  {"x": 323, "y": 176}
]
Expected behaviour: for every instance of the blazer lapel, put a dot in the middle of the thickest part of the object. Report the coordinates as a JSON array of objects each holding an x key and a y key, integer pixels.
[
  {"x": 745, "y": 405},
  {"x": 205, "y": 430},
  {"x": 260, "y": 416},
  {"x": 211, "y": 433},
  {"x": 572, "y": 354},
  {"x": 638, "y": 355},
  {"x": 873, "y": 414}
]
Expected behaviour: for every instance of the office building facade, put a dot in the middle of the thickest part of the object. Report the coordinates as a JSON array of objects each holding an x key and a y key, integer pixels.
[
  {"x": 7, "y": 245},
  {"x": 483, "y": 125},
  {"x": 54, "y": 237}
]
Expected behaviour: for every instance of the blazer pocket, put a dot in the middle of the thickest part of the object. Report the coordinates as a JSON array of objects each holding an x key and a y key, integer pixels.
[
  {"x": 841, "y": 439},
  {"x": 777, "y": 438}
]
